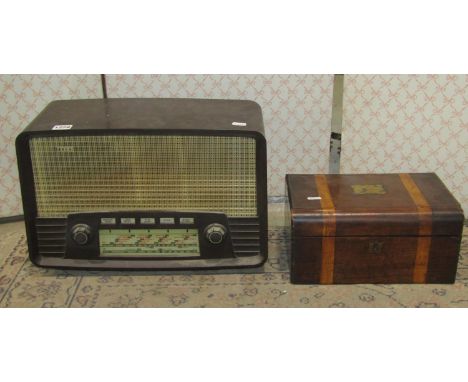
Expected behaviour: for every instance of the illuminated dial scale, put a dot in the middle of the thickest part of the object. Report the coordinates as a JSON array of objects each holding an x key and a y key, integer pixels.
[{"x": 147, "y": 241}]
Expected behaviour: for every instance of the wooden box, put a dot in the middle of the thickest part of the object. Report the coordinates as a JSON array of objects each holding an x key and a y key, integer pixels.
[{"x": 379, "y": 228}]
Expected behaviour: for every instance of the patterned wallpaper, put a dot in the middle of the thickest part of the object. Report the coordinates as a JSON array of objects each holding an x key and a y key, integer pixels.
[
  {"x": 22, "y": 97},
  {"x": 391, "y": 123},
  {"x": 296, "y": 112},
  {"x": 407, "y": 123}
]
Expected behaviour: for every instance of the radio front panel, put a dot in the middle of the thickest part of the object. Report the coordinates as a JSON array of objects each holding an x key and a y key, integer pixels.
[
  {"x": 145, "y": 184},
  {"x": 139, "y": 234}
]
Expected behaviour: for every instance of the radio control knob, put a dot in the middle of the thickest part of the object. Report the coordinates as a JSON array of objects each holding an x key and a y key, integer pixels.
[
  {"x": 215, "y": 233},
  {"x": 81, "y": 233}
]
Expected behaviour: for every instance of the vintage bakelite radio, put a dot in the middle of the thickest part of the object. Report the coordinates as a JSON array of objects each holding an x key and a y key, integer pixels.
[
  {"x": 145, "y": 184},
  {"x": 373, "y": 228}
]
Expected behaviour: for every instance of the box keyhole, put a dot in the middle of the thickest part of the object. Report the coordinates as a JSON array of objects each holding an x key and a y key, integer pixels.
[{"x": 375, "y": 247}]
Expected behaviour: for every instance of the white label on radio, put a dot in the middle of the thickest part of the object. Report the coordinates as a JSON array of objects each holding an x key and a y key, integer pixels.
[
  {"x": 62, "y": 127},
  {"x": 127, "y": 220},
  {"x": 186, "y": 220},
  {"x": 147, "y": 220},
  {"x": 166, "y": 220},
  {"x": 314, "y": 198},
  {"x": 239, "y": 124},
  {"x": 107, "y": 220}
]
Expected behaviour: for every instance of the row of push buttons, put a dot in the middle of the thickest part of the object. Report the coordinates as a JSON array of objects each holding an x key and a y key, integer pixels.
[{"x": 130, "y": 221}]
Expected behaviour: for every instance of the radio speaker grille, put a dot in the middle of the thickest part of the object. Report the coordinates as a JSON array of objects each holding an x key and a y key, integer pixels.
[{"x": 151, "y": 172}]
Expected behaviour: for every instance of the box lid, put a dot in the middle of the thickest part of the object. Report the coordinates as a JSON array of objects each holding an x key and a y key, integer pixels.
[{"x": 373, "y": 205}]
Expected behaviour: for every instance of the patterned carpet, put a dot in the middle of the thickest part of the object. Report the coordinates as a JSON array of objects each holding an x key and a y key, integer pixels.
[{"x": 24, "y": 285}]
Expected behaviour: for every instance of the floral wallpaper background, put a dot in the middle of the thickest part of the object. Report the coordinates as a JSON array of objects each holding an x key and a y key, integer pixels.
[
  {"x": 407, "y": 123},
  {"x": 391, "y": 123},
  {"x": 22, "y": 97}
]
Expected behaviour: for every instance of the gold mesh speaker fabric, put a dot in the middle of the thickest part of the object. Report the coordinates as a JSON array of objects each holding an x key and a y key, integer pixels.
[{"x": 105, "y": 173}]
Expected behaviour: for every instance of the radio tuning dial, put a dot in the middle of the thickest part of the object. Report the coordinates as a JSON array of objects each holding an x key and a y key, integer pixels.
[
  {"x": 215, "y": 233},
  {"x": 81, "y": 233}
]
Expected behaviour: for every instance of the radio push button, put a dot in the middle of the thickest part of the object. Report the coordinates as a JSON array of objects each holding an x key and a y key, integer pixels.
[
  {"x": 186, "y": 220},
  {"x": 111, "y": 221},
  {"x": 81, "y": 233},
  {"x": 166, "y": 221},
  {"x": 215, "y": 233},
  {"x": 147, "y": 220},
  {"x": 127, "y": 220}
]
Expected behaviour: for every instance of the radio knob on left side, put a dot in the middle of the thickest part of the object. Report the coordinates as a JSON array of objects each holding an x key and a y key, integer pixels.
[{"x": 81, "y": 233}]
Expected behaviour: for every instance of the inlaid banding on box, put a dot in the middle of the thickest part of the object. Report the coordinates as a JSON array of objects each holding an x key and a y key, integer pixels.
[
  {"x": 425, "y": 228},
  {"x": 328, "y": 230}
]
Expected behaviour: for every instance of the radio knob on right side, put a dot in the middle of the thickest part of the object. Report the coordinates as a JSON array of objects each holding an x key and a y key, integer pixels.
[{"x": 215, "y": 233}]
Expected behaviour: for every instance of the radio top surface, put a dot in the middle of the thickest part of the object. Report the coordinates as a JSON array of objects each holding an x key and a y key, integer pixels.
[{"x": 149, "y": 113}]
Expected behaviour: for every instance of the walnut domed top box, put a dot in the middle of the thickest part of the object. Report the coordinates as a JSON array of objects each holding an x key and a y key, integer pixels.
[{"x": 373, "y": 228}]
